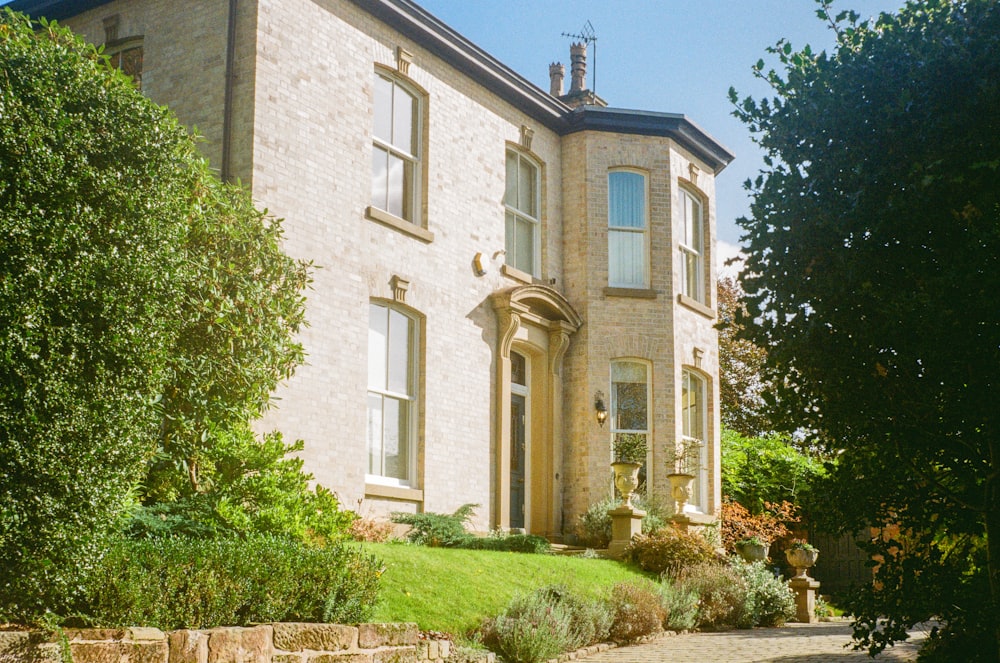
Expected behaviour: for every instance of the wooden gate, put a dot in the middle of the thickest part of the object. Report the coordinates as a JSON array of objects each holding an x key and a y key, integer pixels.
[{"x": 841, "y": 564}]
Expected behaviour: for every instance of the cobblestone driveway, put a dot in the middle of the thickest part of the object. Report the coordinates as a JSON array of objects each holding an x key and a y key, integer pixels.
[{"x": 795, "y": 643}]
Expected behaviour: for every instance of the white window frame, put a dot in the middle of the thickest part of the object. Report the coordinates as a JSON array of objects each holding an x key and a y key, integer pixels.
[
  {"x": 627, "y": 230},
  {"x": 412, "y": 159},
  {"x": 408, "y": 400},
  {"x": 692, "y": 246},
  {"x": 699, "y": 489},
  {"x": 523, "y": 215},
  {"x": 648, "y": 430}
]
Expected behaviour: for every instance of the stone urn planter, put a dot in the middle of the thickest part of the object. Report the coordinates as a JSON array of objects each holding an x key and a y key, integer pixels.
[
  {"x": 753, "y": 551},
  {"x": 626, "y": 479},
  {"x": 680, "y": 489},
  {"x": 802, "y": 558}
]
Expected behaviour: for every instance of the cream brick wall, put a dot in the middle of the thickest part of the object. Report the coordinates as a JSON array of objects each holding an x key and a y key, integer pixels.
[
  {"x": 302, "y": 141},
  {"x": 312, "y": 155},
  {"x": 184, "y": 64},
  {"x": 656, "y": 330}
]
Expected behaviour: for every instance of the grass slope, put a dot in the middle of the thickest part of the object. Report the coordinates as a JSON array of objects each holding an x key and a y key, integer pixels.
[{"x": 444, "y": 589}]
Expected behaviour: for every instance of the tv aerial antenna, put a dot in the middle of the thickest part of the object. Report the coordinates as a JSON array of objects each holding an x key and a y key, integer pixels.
[{"x": 587, "y": 36}]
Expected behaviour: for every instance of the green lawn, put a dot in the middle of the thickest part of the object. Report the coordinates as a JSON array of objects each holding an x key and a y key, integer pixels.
[{"x": 444, "y": 589}]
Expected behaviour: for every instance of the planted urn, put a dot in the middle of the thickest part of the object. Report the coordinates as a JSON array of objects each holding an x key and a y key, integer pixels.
[
  {"x": 629, "y": 453},
  {"x": 802, "y": 556}
]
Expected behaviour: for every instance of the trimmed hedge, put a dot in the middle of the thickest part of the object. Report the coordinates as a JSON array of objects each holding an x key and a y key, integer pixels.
[{"x": 173, "y": 583}]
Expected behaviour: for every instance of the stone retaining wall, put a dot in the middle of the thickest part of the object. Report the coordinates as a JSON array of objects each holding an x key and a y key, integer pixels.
[{"x": 268, "y": 643}]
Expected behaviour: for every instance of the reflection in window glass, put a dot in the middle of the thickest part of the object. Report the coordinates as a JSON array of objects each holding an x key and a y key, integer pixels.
[
  {"x": 391, "y": 393},
  {"x": 395, "y": 148},
  {"x": 522, "y": 223},
  {"x": 627, "y": 230}
]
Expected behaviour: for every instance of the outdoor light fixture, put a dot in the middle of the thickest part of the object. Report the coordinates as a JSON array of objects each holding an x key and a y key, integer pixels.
[{"x": 602, "y": 411}]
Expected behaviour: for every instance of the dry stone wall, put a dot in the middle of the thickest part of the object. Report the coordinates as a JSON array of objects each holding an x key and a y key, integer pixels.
[{"x": 268, "y": 643}]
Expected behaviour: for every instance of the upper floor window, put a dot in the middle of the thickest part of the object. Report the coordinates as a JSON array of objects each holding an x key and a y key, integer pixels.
[
  {"x": 392, "y": 394},
  {"x": 396, "y": 149},
  {"x": 521, "y": 201},
  {"x": 694, "y": 427},
  {"x": 627, "y": 230},
  {"x": 126, "y": 55},
  {"x": 692, "y": 244}
]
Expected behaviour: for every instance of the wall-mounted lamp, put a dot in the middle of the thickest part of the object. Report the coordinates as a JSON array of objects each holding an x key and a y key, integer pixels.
[{"x": 602, "y": 410}]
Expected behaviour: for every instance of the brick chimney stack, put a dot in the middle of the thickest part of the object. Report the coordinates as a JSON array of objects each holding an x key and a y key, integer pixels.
[
  {"x": 556, "y": 74},
  {"x": 578, "y": 70}
]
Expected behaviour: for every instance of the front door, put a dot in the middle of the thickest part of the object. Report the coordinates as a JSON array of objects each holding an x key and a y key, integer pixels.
[{"x": 517, "y": 403}]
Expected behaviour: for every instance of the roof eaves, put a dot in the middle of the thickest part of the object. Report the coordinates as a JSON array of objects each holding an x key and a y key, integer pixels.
[
  {"x": 56, "y": 10},
  {"x": 650, "y": 123},
  {"x": 416, "y": 23}
]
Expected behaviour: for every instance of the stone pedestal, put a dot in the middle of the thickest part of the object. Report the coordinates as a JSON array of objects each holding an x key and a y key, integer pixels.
[
  {"x": 626, "y": 522},
  {"x": 805, "y": 598}
]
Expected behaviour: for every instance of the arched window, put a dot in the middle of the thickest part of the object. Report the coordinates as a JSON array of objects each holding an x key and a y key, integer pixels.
[
  {"x": 392, "y": 395},
  {"x": 522, "y": 205},
  {"x": 628, "y": 225},
  {"x": 630, "y": 401},
  {"x": 692, "y": 246},
  {"x": 396, "y": 148},
  {"x": 694, "y": 429}
]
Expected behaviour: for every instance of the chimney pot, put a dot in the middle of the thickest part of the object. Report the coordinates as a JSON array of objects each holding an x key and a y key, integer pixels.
[
  {"x": 556, "y": 74},
  {"x": 578, "y": 64}
]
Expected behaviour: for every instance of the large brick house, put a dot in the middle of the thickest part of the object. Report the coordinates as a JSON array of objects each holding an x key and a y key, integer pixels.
[{"x": 495, "y": 261}]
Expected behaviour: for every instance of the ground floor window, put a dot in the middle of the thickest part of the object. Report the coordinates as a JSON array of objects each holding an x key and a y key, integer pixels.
[{"x": 392, "y": 394}]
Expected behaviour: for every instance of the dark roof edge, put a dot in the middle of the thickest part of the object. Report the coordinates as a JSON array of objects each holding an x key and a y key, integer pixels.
[
  {"x": 55, "y": 9},
  {"x": 422, "y": 27},
  {"x": 416, "y": 23},
  {"x": 650, "y": 123}
]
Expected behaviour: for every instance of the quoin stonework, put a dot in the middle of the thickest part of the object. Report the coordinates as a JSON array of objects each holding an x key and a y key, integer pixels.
[{"x": 493, "y": 259}]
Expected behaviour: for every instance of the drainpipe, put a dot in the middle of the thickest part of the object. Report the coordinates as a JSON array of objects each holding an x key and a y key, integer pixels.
[{"x": 227, "y": 110}]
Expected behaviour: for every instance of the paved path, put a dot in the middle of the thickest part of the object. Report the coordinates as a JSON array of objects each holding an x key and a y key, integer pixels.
[{"x": 794, "y": 643}]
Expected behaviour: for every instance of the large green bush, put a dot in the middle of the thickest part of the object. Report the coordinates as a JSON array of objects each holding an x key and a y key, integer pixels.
[
  {"x": 668, "y": 550},
  {"x": 172, "y": 583},
  {"x": 94, "y": 182},
  {"x": 256, "y": 487},
  {"x": 769, "y": 600}
]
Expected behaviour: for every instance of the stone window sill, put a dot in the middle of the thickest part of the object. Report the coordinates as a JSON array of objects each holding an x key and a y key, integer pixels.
[
  {"x": 396, "y": 223},
  {"x": 394, "y": 492},
  {"x": 635, "y": 293},
  {"x": 516, "y": 274},
  {"x": 696, "y": 306}
]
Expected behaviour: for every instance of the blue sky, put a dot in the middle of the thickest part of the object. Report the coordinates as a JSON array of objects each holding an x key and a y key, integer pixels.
[{"x": 675, "y": 56}]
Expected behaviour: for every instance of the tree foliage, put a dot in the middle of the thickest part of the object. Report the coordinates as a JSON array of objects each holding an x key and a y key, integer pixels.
[
  {"x": 872, "y": 277},
  {"x": 93, "y": 182},
  {"x": 741, "y": 361},
  {"x": 757, "y": 471},
  {"x": 149, "y": 311}
]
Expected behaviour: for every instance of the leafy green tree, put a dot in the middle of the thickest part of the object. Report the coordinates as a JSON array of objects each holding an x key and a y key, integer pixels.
[
  {"x": 741, "y": 385},
  {"x": 872, "y": 279},
  {"x": 93, "y": 201},
  {"x": 761, "y": 470}
]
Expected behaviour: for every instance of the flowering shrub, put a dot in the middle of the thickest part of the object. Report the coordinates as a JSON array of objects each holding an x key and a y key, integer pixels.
[
  {"x": 669, "y": 549},
  {"x": 544, "y": 624},
  {"x": 721, "y": 592},
  {"x": 680, "y": 605},
  {"x": 636, "y": 611},
  {"x": 769, "y": 601}
]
